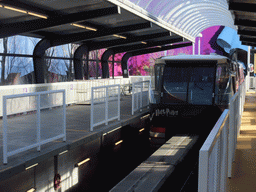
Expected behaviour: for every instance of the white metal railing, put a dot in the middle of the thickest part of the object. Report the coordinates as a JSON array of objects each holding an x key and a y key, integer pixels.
[
  {"x": 213, "y": 157},
  {"x": 252, "y": 82},
  {"x": 105, "y": 105},
  {"x": 140, "y": 95},
  {"x": 217, "y": 153},
  {"x": 76, "y": 91},
  {"x": 41, "y": 127},
  {"x": 236, "y": 109}
]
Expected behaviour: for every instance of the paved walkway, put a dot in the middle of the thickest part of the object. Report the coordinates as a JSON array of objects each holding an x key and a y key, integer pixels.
[{"x": 244, "y": 167}]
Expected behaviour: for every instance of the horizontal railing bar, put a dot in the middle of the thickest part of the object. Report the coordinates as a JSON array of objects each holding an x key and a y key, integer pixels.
[
  {"x": 52, "y": 139},
  {"x": 33, "y": 94},
  {"x": 23, "y": 149},
  {"x": 215, "y": 133}
]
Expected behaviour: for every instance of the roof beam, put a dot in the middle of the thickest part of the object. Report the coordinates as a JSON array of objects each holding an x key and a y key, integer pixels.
[
  {"x": 249, "y": 43},
  {"x": 157, "y": 49},
  {"x": 106, "y": 44},
  {"x": 65, "y": 39},
  {"x": 247, "y": 39},
  {"x": 246, "y": 32},
  {"x": 127, "y": 55},
  {"x": 245, "y": 22},
  {"x": 38, "y": 24},
  {"x": 120, "y": 49},
  {"x": 247, "y": 7},
  {"x": 27, "y": 7}
]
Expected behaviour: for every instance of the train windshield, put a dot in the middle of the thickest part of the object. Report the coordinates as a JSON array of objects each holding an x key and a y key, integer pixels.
[{"x": 193, "y": 85}]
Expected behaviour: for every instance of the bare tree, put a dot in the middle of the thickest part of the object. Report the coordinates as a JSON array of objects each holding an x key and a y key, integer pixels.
[{"x": 5, "y": 42}]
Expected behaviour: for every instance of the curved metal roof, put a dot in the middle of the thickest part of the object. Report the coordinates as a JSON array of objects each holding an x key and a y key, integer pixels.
[
  {"x": 105, "y": 21},
  {"x": 185, "y": 17}
]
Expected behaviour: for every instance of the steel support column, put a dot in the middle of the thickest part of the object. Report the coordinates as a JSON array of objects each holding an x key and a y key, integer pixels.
[
  {"x": 124, "y": 65},
  {"x": 39, "y": 60},
  {"x": 104, "y": 62},
  {"x": 78, "y": 61}
]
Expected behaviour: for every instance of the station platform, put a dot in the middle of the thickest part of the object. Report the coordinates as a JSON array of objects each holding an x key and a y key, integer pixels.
[
  {"x": 77, "y": 131},
  {"x": 244, "y": 169}
]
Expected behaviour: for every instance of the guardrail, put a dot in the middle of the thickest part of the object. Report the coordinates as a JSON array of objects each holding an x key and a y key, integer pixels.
[
  {"x": 140, "y": 95},
  {"x": 105, "y": 105},
  {"x": 37, "y": 130},
  {"x": 236, "y": 109},
  {"x": 217, "y": 153},
  {"x": 76, "y": 91},
  {"x": 213, "y": 157},
  {"x": 252, "y": 82}
]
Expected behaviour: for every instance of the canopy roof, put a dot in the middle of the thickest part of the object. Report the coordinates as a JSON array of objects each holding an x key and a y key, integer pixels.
[
  {"x": 244, "y": 12},
  {"x": 185, "y": 17},
  {"x": 100, "y": 21}
]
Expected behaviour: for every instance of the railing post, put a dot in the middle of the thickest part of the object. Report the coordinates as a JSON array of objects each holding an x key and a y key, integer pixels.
[
  {"x": 118, "y": 111},
  {"x": 203, "y": 171},
  {"x": 133, "y": 94},
  {"x": 141, "y": 90},
  {"x": 4, "y": 131},
  {"x": 92, "y": 108},
  {"x": 106, "y": 107},
  {"x": 64, "y": 115},
  {"x": 38, "y": 122}
]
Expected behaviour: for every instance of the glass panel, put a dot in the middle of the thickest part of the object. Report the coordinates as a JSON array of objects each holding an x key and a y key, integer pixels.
[
  {"x": 186, "y": 84},
  {"x": 222, "y": 88},
  {"x": 21, "y": 130},
  {"x": 201, "y": 86},
  {"x": 175, "y": 84},
  {"x": 112, "y": 102},
  {"x": 19, "y": 44}
]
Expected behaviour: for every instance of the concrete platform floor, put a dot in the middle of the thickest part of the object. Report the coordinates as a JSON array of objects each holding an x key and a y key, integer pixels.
[{"x": 244, "y": 166}]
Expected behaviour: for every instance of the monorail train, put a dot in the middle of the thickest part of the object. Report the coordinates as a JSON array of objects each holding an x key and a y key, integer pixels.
[{"x": 190, "y": 93}]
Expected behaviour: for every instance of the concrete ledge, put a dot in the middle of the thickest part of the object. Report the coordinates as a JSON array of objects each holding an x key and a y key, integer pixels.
[{"x": 152, "y": 173}]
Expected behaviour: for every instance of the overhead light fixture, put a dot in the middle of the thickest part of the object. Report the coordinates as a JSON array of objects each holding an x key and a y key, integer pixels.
[
  {"x": 143, "y": 42},
  {"x": 23, "y": 11},
  {"x": 120, "y": 36},
  {"x": 82, "y": 162},
  {"x": 31, "y": 166},
  {"x": 14, "y": 9},
  {"x": 84, "y": 27},
  {"x": 37, "y": 15}
]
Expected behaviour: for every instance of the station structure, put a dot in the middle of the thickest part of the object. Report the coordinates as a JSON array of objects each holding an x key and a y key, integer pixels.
[{"x": 133, "y": 27}]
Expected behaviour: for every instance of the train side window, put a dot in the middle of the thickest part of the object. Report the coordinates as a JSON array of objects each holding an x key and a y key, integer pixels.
[
  {"x": 159, "y": 74},
  {"x": 201, "y": 86},
  {"x": 222, "y": 91}
]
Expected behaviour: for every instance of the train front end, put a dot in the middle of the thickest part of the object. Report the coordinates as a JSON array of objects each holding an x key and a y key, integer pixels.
[{"x": 188, "y": 91}]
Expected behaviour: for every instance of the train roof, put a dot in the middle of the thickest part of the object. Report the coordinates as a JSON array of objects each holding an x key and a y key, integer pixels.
[{"x": 214, "y": 57}]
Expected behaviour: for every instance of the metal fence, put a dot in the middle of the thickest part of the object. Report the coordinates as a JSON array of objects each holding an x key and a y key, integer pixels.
[
  {"x": 236, "y": 107},
  {"x": 213, "y": 157},
  {"x": 140, "y": 95},
  {"x": 45, "y": 123},
  {"x": 217, "y": 153},
  {"x": 105, "y": 105}
]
